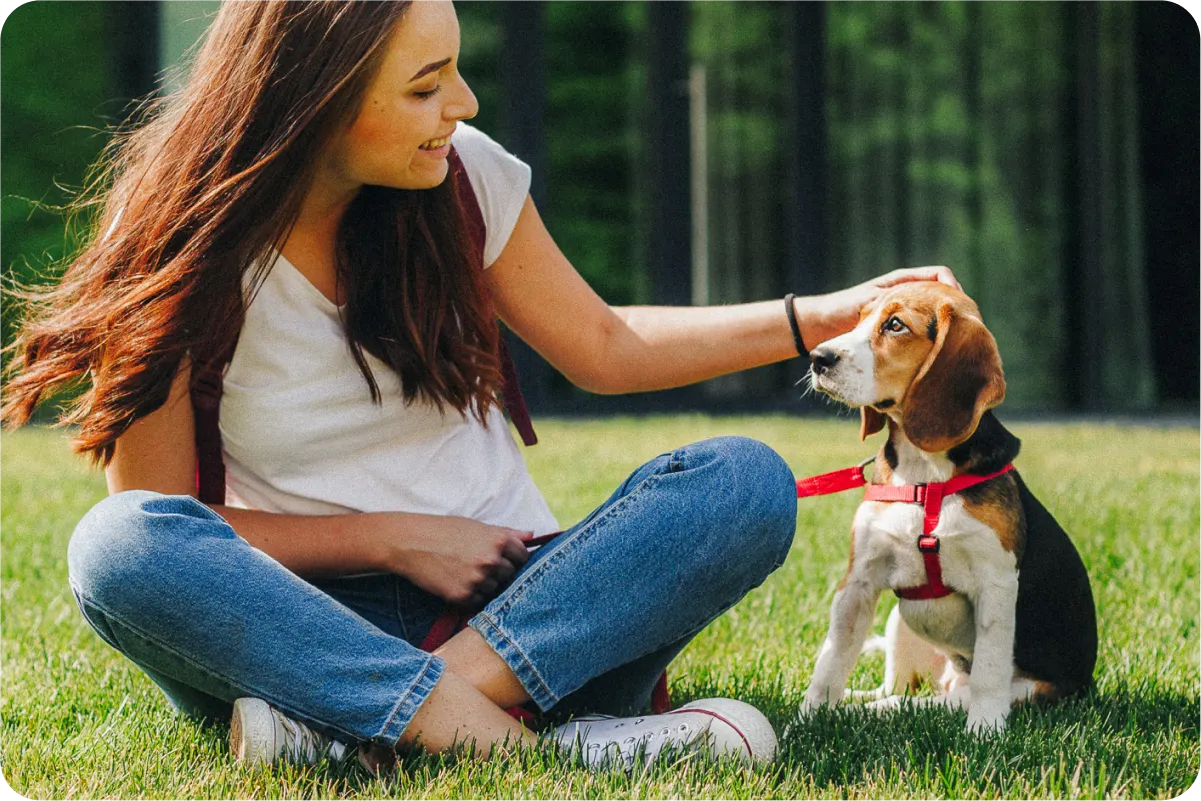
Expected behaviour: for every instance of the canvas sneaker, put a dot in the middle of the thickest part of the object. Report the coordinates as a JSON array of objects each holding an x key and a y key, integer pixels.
[
  {"x": 260, "y": 734},
  {"x": 716, "y": 727}
]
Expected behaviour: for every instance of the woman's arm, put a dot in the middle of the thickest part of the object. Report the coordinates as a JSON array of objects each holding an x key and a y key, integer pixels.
[
  {"x": 460, "y": 560},
  {"x": 455, "y": 558},
  {"x": 639, "y": 348}
]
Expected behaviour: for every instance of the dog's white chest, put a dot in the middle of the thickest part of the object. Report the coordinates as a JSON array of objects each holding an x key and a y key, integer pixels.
[
  {"x": 947, "y": 623},
  {"x": 888, "y": 533}
]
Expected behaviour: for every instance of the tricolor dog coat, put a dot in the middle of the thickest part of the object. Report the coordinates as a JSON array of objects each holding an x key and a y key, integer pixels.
[{"x": 995, "y": 606}]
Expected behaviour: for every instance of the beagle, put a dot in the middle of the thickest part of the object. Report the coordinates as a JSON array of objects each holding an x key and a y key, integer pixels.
[{"x": 1004, "y": 613}]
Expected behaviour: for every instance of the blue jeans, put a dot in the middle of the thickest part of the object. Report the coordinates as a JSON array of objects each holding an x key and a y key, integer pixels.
[{"x": 588, "y": 623}]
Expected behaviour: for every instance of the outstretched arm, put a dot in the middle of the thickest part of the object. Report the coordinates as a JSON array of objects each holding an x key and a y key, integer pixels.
[{"x": 612, "y": 350}]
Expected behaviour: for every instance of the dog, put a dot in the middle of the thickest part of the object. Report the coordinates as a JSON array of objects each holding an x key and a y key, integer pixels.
[{"x": 1004, "y": 612}]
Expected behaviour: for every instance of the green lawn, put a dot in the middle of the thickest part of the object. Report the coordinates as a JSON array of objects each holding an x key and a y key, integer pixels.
[{"x": 79, "y": 721}]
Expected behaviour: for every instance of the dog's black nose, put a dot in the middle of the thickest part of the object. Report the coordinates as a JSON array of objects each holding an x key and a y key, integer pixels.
[{"x": 822, "y": 360}]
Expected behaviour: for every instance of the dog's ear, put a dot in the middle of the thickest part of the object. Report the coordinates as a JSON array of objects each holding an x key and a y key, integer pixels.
[
  {"x": 960, "y": 380},
  {"x": 870, "y": 422}
]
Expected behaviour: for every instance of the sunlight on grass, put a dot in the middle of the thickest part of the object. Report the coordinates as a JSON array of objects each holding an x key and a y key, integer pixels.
[{"x": 80, "y": 721}]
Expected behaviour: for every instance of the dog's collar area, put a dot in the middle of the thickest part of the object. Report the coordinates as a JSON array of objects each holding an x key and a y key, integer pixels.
[{"x": 930, "y": 496}]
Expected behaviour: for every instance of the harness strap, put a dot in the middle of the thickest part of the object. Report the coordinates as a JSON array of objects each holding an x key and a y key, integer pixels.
[{"x": 930, "y": 496}]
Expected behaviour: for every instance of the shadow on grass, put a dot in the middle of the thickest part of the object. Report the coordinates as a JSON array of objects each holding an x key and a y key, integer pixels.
[
  {"x": 1122, "y": 743},
  {"x": 1130, "y": 739}
]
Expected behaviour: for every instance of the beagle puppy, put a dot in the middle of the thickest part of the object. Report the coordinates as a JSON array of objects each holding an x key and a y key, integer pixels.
[{"x": 1018, "y": 623}]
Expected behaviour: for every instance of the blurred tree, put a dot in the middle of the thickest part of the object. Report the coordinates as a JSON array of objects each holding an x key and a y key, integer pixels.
[
  {"x": 591, "y": 143},
  {"x": 954, "y": 140},
  {"x": 55, "y": 104},
  {"x": 1001, "y": 138}
]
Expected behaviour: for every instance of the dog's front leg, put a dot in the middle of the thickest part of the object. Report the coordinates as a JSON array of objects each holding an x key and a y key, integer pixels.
[
  {"x": 850, "y": 620},
  {"x": 992, "y": 661}
]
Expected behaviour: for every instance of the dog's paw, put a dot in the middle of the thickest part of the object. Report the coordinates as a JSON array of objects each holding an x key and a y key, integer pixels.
[
  {"x": 886, "y": 704},
  {"x": 863, "y": 696},
  {"x": 817, "y": 698},
  {"x": 986, "y": 720}
]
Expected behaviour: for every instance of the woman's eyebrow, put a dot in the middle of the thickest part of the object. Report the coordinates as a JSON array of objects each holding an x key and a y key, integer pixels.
[{"x": 428, "y": 68}]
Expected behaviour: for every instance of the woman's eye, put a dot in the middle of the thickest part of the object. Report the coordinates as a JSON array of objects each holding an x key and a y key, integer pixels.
[
  {"x": 429, "y": 94},
  {"x": 894, "y": 325}
]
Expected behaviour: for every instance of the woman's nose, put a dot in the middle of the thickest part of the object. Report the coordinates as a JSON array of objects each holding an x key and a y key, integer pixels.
[{"x": 465, "y": 105}]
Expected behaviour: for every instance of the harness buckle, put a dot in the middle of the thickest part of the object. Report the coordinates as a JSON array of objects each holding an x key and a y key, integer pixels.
[
  {"x": 919, "y": 493},
  {"x": 928, "y": 543}
]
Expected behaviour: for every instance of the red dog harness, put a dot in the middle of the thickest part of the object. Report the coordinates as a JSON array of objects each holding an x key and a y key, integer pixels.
[{"x": 930, "y": 496}]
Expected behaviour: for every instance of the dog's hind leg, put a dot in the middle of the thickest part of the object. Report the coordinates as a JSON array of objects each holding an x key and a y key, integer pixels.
[
  {"x": 959, "y": 697},
  {"x": 908, "y": 661}
]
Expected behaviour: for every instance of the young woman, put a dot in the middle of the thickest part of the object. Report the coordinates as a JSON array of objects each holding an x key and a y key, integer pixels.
[{"x": 294, "y": 199}]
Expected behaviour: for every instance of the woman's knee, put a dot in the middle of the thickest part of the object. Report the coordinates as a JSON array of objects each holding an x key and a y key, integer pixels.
[
  {"x": 762, "y": 480},
  {"x": 754, "y": 497},
  {"x": 129, "y": 536}
]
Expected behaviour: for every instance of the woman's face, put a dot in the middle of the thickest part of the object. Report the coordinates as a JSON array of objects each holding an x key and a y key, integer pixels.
[{"x": 401, "y": 136}]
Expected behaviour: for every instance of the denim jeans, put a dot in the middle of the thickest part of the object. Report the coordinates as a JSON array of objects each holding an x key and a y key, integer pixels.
[{"x": 588, "y": 624}]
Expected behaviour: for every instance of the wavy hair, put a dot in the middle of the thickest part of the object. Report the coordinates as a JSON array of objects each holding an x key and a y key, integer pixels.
[{"x": 199, "y": 189}]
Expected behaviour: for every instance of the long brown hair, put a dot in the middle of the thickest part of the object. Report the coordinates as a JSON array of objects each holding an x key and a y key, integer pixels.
[{"x": 193, "y": 195}]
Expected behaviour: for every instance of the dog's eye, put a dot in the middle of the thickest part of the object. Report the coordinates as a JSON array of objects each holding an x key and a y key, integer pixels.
[{"x": 894, "y": 326}]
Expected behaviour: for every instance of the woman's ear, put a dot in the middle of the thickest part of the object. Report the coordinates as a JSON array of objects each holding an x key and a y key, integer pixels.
[
  {"x": 870, "y": 422},
  {"x": 960, "y": 380}
]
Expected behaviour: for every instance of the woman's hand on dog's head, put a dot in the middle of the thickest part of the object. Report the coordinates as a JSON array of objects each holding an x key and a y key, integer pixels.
[{"x": 823, "y": 317}]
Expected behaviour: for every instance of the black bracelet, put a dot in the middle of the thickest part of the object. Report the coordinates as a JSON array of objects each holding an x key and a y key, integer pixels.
[{"x": 790, "y": 310}]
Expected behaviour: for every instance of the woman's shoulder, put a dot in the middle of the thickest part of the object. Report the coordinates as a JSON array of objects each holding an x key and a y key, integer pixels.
[
  {"x": 500, "y": 181},
  {"x": 484, "y": 158}
]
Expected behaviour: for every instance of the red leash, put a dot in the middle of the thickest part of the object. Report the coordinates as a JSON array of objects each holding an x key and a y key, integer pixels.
[{"x": 930, "y": 496}]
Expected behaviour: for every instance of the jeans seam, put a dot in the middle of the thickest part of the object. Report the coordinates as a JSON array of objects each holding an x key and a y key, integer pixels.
[
  {"x": 697, "y": 629},
  {"x": 429, "y": 663},
  {"x": 577, "y": 537},
  {"x": 206, "y": 669},
  {"x": 108, "y": 636},
  {"x": 494, "y": 625}
]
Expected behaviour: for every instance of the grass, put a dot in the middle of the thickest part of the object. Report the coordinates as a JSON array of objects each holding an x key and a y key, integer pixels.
[{"x": 79, "y": 721}]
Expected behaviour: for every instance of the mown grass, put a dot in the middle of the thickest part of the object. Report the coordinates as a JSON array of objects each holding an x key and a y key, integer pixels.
[{"x": 79, "y": 721}]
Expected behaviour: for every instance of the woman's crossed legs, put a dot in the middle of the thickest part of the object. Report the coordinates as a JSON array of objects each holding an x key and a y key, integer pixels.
[{"x": 587, "y": 624}]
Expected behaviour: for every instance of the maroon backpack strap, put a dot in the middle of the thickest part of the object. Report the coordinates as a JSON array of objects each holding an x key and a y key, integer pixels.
[
  {"x": 514, "y": 400},
  {"x": 206, "y": 388},
  {"x": 206, "y": 405}
]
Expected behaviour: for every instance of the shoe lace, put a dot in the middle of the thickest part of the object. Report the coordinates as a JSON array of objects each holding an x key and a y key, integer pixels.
[
  {"x": 649, "y": 742},
  {"x": 301, "y": 741}
]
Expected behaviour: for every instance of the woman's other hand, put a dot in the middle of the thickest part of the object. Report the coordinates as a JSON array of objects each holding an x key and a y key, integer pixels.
[
  {"x": 458, "y": 559},
  {"x": 823, "y": 317}
]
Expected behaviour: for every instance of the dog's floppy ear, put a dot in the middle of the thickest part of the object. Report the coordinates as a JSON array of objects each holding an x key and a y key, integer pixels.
[
  {"x": 870, "y": 422},
  {"x": 960, "y": 380}
]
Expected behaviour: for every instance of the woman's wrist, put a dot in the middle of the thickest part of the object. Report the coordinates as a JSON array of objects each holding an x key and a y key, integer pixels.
[
  {"x": 810, "y": 315},
  {"x": 388, "y": 542}
]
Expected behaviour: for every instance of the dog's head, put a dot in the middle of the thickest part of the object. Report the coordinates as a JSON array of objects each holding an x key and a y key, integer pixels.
[{"x": 920, "y": 351}]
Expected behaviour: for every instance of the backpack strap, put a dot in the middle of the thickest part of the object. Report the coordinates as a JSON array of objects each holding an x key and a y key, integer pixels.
[
  {"x": 206, "y": 388},
  {"x": 513, "y": 399},
  {"x": 206, "y": 404}
]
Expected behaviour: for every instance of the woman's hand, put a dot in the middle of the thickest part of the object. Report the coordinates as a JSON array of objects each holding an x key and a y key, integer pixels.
[
  {"x": 458, "y": 559},
  {"x": 823, "y": 317}
]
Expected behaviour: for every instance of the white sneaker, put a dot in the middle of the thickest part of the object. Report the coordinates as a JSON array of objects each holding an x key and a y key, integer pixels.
[
  {"x": 259, "y": 734},
  {"x": 714, "y": 726}
]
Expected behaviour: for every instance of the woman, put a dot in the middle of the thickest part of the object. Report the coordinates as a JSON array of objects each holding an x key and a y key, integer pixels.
[{"x": 293, "y": 198}]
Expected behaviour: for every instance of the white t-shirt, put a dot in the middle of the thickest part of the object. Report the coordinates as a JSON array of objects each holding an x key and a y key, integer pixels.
[{"x": 300, "y": 433}]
